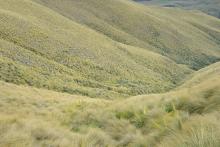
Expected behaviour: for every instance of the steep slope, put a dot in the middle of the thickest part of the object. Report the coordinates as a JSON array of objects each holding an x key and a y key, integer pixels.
[
  {"x": 41, "y": 48},
  {"x": 186, "y": 117},
  {"x": 190, "y": 38},
  {"x": 210, "y": 7}
]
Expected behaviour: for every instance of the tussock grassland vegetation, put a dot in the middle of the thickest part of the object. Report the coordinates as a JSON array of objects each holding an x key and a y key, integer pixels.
[
  {"x": 176, "y": 34},
  {"x": 100, "y": 48},
  {"x": 186, "y": 117},
  {"x": 85, "y": 73}
]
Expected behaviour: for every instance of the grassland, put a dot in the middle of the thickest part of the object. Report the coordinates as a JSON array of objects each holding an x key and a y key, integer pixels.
[
  {"x": 106, "y": 49},
  {"x": 107, "y": 73},
  {"x": 188, "y": 117},
  {"x": 176, "y": 34}
]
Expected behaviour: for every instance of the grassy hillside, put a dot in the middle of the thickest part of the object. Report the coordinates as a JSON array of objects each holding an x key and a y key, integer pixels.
[
  {"x": 211, "y": 72},
  {"x": 57, "y": 53},
  {"x": 210, "y": 7},
  {"x": 187, "y": 117},
  {"x": 106, "y": 49},
  {"x": 164, "y": 31},
  {"x": 103, "y": 51}
]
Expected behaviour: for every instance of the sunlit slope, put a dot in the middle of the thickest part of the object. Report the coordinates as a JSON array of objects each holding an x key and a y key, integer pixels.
[
  {"x": 190, "y": 38},
  {"x": 185, "y": 117},
  {"x": 209, "y": 73},
  {"x": 42, "y": 48}
]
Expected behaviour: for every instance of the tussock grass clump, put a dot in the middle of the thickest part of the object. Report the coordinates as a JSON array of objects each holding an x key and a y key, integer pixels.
[{"x": 200, "y": 131}]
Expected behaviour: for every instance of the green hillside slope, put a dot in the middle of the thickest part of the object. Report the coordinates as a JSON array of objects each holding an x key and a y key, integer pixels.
[
  {"x": 87, "y": 48},
  {"x": 52, "y": 53},
  {"x": 185, "y": 37},
  {"x": 187, "y": 117},
  {"x": 66, "y": 67}
]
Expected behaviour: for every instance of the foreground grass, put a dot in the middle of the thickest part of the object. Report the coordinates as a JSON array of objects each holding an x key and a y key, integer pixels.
[{"x": 187, "y": 117}]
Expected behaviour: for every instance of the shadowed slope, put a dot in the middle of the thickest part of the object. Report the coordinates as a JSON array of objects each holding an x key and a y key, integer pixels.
[{"x": 210, "y": 7}]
